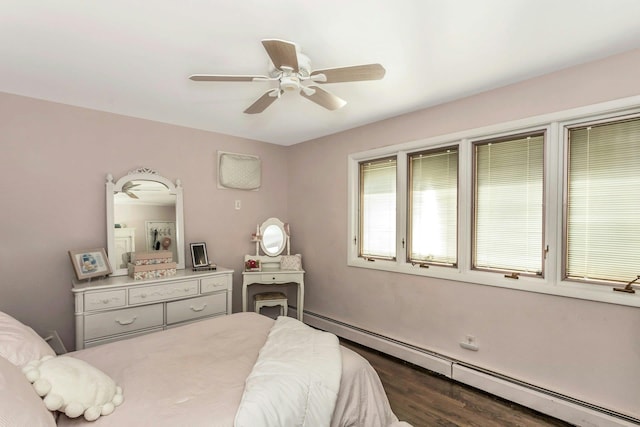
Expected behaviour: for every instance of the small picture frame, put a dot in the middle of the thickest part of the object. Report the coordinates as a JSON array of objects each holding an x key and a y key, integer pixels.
[
  {"x": 199, "y": 257},
  {"x": 90, "y": 263}
]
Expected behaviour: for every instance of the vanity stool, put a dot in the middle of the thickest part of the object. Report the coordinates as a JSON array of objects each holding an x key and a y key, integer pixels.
[{"x": 271, "y": 299}]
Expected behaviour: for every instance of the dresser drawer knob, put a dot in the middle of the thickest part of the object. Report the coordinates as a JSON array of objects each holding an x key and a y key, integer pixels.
[
  {"x": 104, "y": 301},
  {"x": 198, "y": 309},
  {"x": 126, "y": 322},
  {"x": 143, "y": 295}
]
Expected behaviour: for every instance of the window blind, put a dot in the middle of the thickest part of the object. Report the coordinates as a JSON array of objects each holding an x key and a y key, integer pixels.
[
  {"x": 378, "y": 208},
  {"x": 603, "y": 203},
  {"x": 508, "y": 204},
  {"x": 433, "y": 206}
]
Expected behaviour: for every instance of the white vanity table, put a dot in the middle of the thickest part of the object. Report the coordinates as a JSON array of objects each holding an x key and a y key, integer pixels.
[
  {"x": 272, "y": 237},
  {"x": 273, "y": 276},
  {"x": 119, "y": 307}
]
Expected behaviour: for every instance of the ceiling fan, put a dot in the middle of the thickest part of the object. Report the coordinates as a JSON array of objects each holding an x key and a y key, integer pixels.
[
  {"x": 291, "y": 69},
  {"x": 143, "y": 188},
  {"x": 127, "y": 189}
]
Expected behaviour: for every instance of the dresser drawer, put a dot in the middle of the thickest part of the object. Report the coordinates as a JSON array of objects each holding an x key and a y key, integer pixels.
[
  {"x": 193, "y": 308},
  {"x": 162, "y": 292},
  {"x": 212, "y": 284},
  {"x": 102, "y": 300},
  {"x": 115, "y": 338},
  {"x": 122, "y": 321},
  {"x": 275, "y": 278}
]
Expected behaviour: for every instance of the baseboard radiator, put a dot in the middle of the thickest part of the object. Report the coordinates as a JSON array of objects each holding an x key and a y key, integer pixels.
[{"x": 545, "y": 401}]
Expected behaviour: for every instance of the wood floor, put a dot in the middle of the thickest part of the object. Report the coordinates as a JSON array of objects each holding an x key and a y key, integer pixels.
[{"x": 424, "y": 399}]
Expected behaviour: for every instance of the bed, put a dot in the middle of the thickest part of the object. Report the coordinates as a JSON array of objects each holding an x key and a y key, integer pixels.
[{"x": 195, "y": 375}]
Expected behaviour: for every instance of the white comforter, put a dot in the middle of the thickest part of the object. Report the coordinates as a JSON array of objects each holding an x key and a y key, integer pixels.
[{"x": 296, "y": 379}]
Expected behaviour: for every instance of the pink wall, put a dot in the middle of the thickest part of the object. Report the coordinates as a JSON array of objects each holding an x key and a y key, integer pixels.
[
  {"x": 53, "y": 166},
  {"x": 584, "y": 349}
]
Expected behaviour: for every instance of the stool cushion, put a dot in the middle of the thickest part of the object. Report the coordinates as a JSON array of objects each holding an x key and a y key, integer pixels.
[{"x": 266, "y": 296}]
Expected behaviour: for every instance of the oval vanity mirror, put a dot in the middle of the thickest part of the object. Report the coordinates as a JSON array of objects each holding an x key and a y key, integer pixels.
[
  {"x": 274, "y": 238},
  {"x": 144, "y": 213}
]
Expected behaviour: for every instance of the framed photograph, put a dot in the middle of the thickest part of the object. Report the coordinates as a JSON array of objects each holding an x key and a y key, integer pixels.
[
  {"x": 90, "y": 263},
  {"x": 199, "y": 256}
]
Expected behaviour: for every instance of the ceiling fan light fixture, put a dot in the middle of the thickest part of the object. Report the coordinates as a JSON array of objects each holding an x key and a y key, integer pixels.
[
  {"x": 320, "y": 78},
  {"x": 289, "y": 83},
  {"x": 307, "y": 90}
]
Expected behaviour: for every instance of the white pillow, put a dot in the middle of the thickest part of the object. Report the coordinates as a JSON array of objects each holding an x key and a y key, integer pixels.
[
  {"x": 19, "y": 343},
  {"x": 73, "y": 386},
  {"x": 19, "y": 405},
  {"x": 291, "y": 262}
]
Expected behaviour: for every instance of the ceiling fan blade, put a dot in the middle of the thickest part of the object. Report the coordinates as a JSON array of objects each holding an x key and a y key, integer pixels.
[
  {"x": 282, "y": 53},
  {"x": 264, "y": 101},
  {"x": 128, "y": 186},
  {"x": 223, "y": 78},
  {"x": 350, "y": 74},
  {"x": 324, "y": 98}
]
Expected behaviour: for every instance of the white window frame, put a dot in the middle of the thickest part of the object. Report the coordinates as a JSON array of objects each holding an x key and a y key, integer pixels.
[
  {"x": 361, "y": 216},
  {"x": 408, "y": 240},
  {"x": 591, "y": 121},
  {"x": 473, "y": 207},
  {"x": 555, "y": 127}
]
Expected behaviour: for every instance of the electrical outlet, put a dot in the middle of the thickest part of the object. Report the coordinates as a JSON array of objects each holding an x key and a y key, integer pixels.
[
  {"x": 470, "y": 343},
  {"x": 237, "y": 205}
]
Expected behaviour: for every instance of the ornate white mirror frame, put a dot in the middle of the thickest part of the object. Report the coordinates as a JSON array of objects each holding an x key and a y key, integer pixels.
[
  {"x": 142, "y": 174},
  {"x": 274, "y": 237}
]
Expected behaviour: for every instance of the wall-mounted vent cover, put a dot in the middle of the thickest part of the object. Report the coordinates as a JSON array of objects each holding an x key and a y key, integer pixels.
[{"x": 238, "y": 171}]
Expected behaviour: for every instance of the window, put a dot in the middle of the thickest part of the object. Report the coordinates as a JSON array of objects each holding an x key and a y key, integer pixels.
[
  {"x": 552, "y": 201},
  {"x": 378, "y": 209},
  {"x": 603, "y": 205},
  {"x": 508, "y": 201},
  {"x": 433, "y": 207}
]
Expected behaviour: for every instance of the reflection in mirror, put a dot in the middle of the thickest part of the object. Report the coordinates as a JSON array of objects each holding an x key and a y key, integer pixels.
[
  {"x": 273, "y": 240},
  {"x": 144, "y": 214},
  {"x": 144, "y": 192},
  {"x": 274, "y": 237}
]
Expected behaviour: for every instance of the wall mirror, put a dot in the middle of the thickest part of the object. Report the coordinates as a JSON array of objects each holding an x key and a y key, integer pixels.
[
  {"x": 274, "y": 237},
  {"x": 144, "y": 213}
]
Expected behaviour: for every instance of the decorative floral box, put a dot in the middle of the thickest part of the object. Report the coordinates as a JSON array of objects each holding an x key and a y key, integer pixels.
[
  {"x": 252, "y": 265},
  {"x": 151, "y": 258},
  {"x": 152, "y": 271}
]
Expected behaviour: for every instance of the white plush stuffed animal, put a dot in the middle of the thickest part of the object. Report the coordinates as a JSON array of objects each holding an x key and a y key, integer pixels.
[{"x": 73, "y": 386}]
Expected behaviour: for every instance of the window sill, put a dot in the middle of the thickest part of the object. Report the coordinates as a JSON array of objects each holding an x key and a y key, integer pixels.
[{"x": 596, "y": 293}]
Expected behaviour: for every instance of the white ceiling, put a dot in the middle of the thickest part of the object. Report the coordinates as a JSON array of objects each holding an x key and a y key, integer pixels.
[{"x": 133, "y": 57}]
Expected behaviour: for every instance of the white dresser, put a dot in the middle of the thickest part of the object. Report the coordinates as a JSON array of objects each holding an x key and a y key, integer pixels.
[{"x": 118, "y": 307}]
